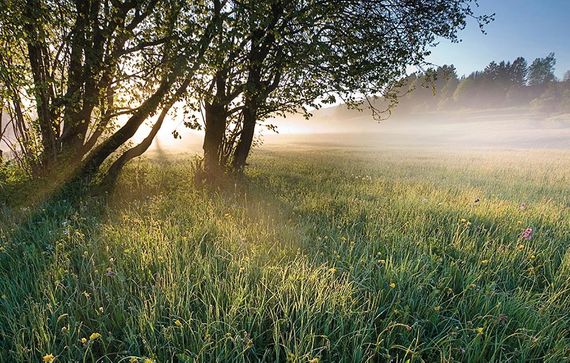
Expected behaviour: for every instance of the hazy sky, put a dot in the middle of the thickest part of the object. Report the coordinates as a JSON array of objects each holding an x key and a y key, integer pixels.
[{"x": 528, "y": 28}]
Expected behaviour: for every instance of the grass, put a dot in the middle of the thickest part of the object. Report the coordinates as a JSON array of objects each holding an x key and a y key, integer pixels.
[{"x": 330, "y": 256}]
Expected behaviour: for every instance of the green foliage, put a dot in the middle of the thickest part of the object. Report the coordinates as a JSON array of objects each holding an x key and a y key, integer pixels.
[
  {"x": 12, "y": 177},
  {"x": 541, "y": 71},
  {"x": 335, "y": 256},
  {"x": 499, "y": 85},
  {"x": 78, "y": 78}
]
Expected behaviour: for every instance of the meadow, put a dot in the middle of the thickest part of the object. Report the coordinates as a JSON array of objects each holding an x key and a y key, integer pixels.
[{"x": 317, "y": 255}]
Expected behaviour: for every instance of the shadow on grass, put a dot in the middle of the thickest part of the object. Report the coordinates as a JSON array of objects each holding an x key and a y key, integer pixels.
[
  {"x": 314, "y": 284},
  {"x": 41, "y": 234}
]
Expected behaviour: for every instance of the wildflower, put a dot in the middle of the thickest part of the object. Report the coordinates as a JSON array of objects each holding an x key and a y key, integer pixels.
[
  {"x": 520, "y": 247},
  {"x": 241, "y": 269},
  {"x": 332, "y": 270},
  {"x": 64, "y": 330},
  {"x": 437, "y": 308},
  {"x": 314, "y": 360},
  {"x": 101, "y": 309},
  {"x": 48, "y": 358},
  {"x": 110, "y": 272},
  {"x": 392, "y": 285},
  {"x": 484, "y": 262},
  {"x": 94, "y": 336},
  {"x": 463, "y": 220},
  {"x": 479, "y": 331},
  {"x": 382, "y": 262},
  {"x": 177, "y": 323},
  {"x": 83, "y": 340},
  {"x": 527, "y": 234},
  {"x": 133, "y": 360},
  {"x": 532, "y": 257},
  {"x": 148, "y": 360}
]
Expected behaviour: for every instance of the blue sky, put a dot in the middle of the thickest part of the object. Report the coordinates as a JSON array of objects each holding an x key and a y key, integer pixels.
[{"x": 528, "y": 28}]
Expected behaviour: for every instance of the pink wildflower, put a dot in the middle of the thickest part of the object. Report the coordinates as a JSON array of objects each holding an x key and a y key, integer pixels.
[{"x": 527, "y": 234}]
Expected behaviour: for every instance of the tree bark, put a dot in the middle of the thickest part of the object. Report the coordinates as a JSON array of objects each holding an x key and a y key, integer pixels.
[
  {"x": 113, "y": 172},
  {"x": 37, "y": 59},
  {"x": 213, "y": 138},
  {"x": 246, "y": 138},
  {"x": 70, "y": 139},
  {"x": 110, "y": 145}
]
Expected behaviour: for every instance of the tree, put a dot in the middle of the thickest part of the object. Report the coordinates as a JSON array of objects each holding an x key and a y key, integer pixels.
[
  {"x": 541, "y": 71},
  {"x": 72, "y": 68},
  {"x": 281, "y": 56},
  {"x": 518, "y": 72}
]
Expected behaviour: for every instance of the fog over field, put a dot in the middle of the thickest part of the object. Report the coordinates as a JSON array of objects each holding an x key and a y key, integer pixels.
[
  {"x": 337, "y": 127},
  {"x": 460, "y": 130}
]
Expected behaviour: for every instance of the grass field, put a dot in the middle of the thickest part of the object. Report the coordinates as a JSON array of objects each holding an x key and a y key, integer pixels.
[{"x": 320, "y": 255}]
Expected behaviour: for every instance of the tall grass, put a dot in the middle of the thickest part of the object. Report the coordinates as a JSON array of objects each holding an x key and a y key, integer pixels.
[{"x": 318, "y": 256}]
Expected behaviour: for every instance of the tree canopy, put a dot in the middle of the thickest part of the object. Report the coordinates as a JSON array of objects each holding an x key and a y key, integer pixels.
[
  {"x": 79, "y": 77},
  {"x": 541, "y": 71},
  {"x": 276, "y": 56}
]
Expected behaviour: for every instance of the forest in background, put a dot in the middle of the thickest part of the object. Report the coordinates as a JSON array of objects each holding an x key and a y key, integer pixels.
[{"x": 501, "y": 84}]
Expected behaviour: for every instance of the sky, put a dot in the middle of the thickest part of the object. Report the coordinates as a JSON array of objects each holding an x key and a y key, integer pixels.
[{"x": 528, "y": 28}]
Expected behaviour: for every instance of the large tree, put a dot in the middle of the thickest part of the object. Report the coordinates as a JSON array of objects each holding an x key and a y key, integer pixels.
[
  {"x": 81, "y": 76},
  {"x": 277, "y": 56}
]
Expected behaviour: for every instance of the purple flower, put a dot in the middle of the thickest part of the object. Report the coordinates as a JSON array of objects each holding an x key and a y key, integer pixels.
[
  {"x": 527, "y": 234},
  {"x": 110, "y": 272}
]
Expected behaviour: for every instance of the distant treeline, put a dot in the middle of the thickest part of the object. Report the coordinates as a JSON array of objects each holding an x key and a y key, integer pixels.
[{"x": 499, "y": 85}]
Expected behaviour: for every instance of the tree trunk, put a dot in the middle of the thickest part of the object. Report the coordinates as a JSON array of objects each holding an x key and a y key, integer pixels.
[
  {"x": 113, "y": 172},
  {"x": 110, "y": 145},
  {"x": 115, "y": 169},
  {"x": 70, "y": 139},
  {"x": 37, "y": 59},
  {"x": 246, "y": 138},
  {"x": 213, "y": 139}
]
